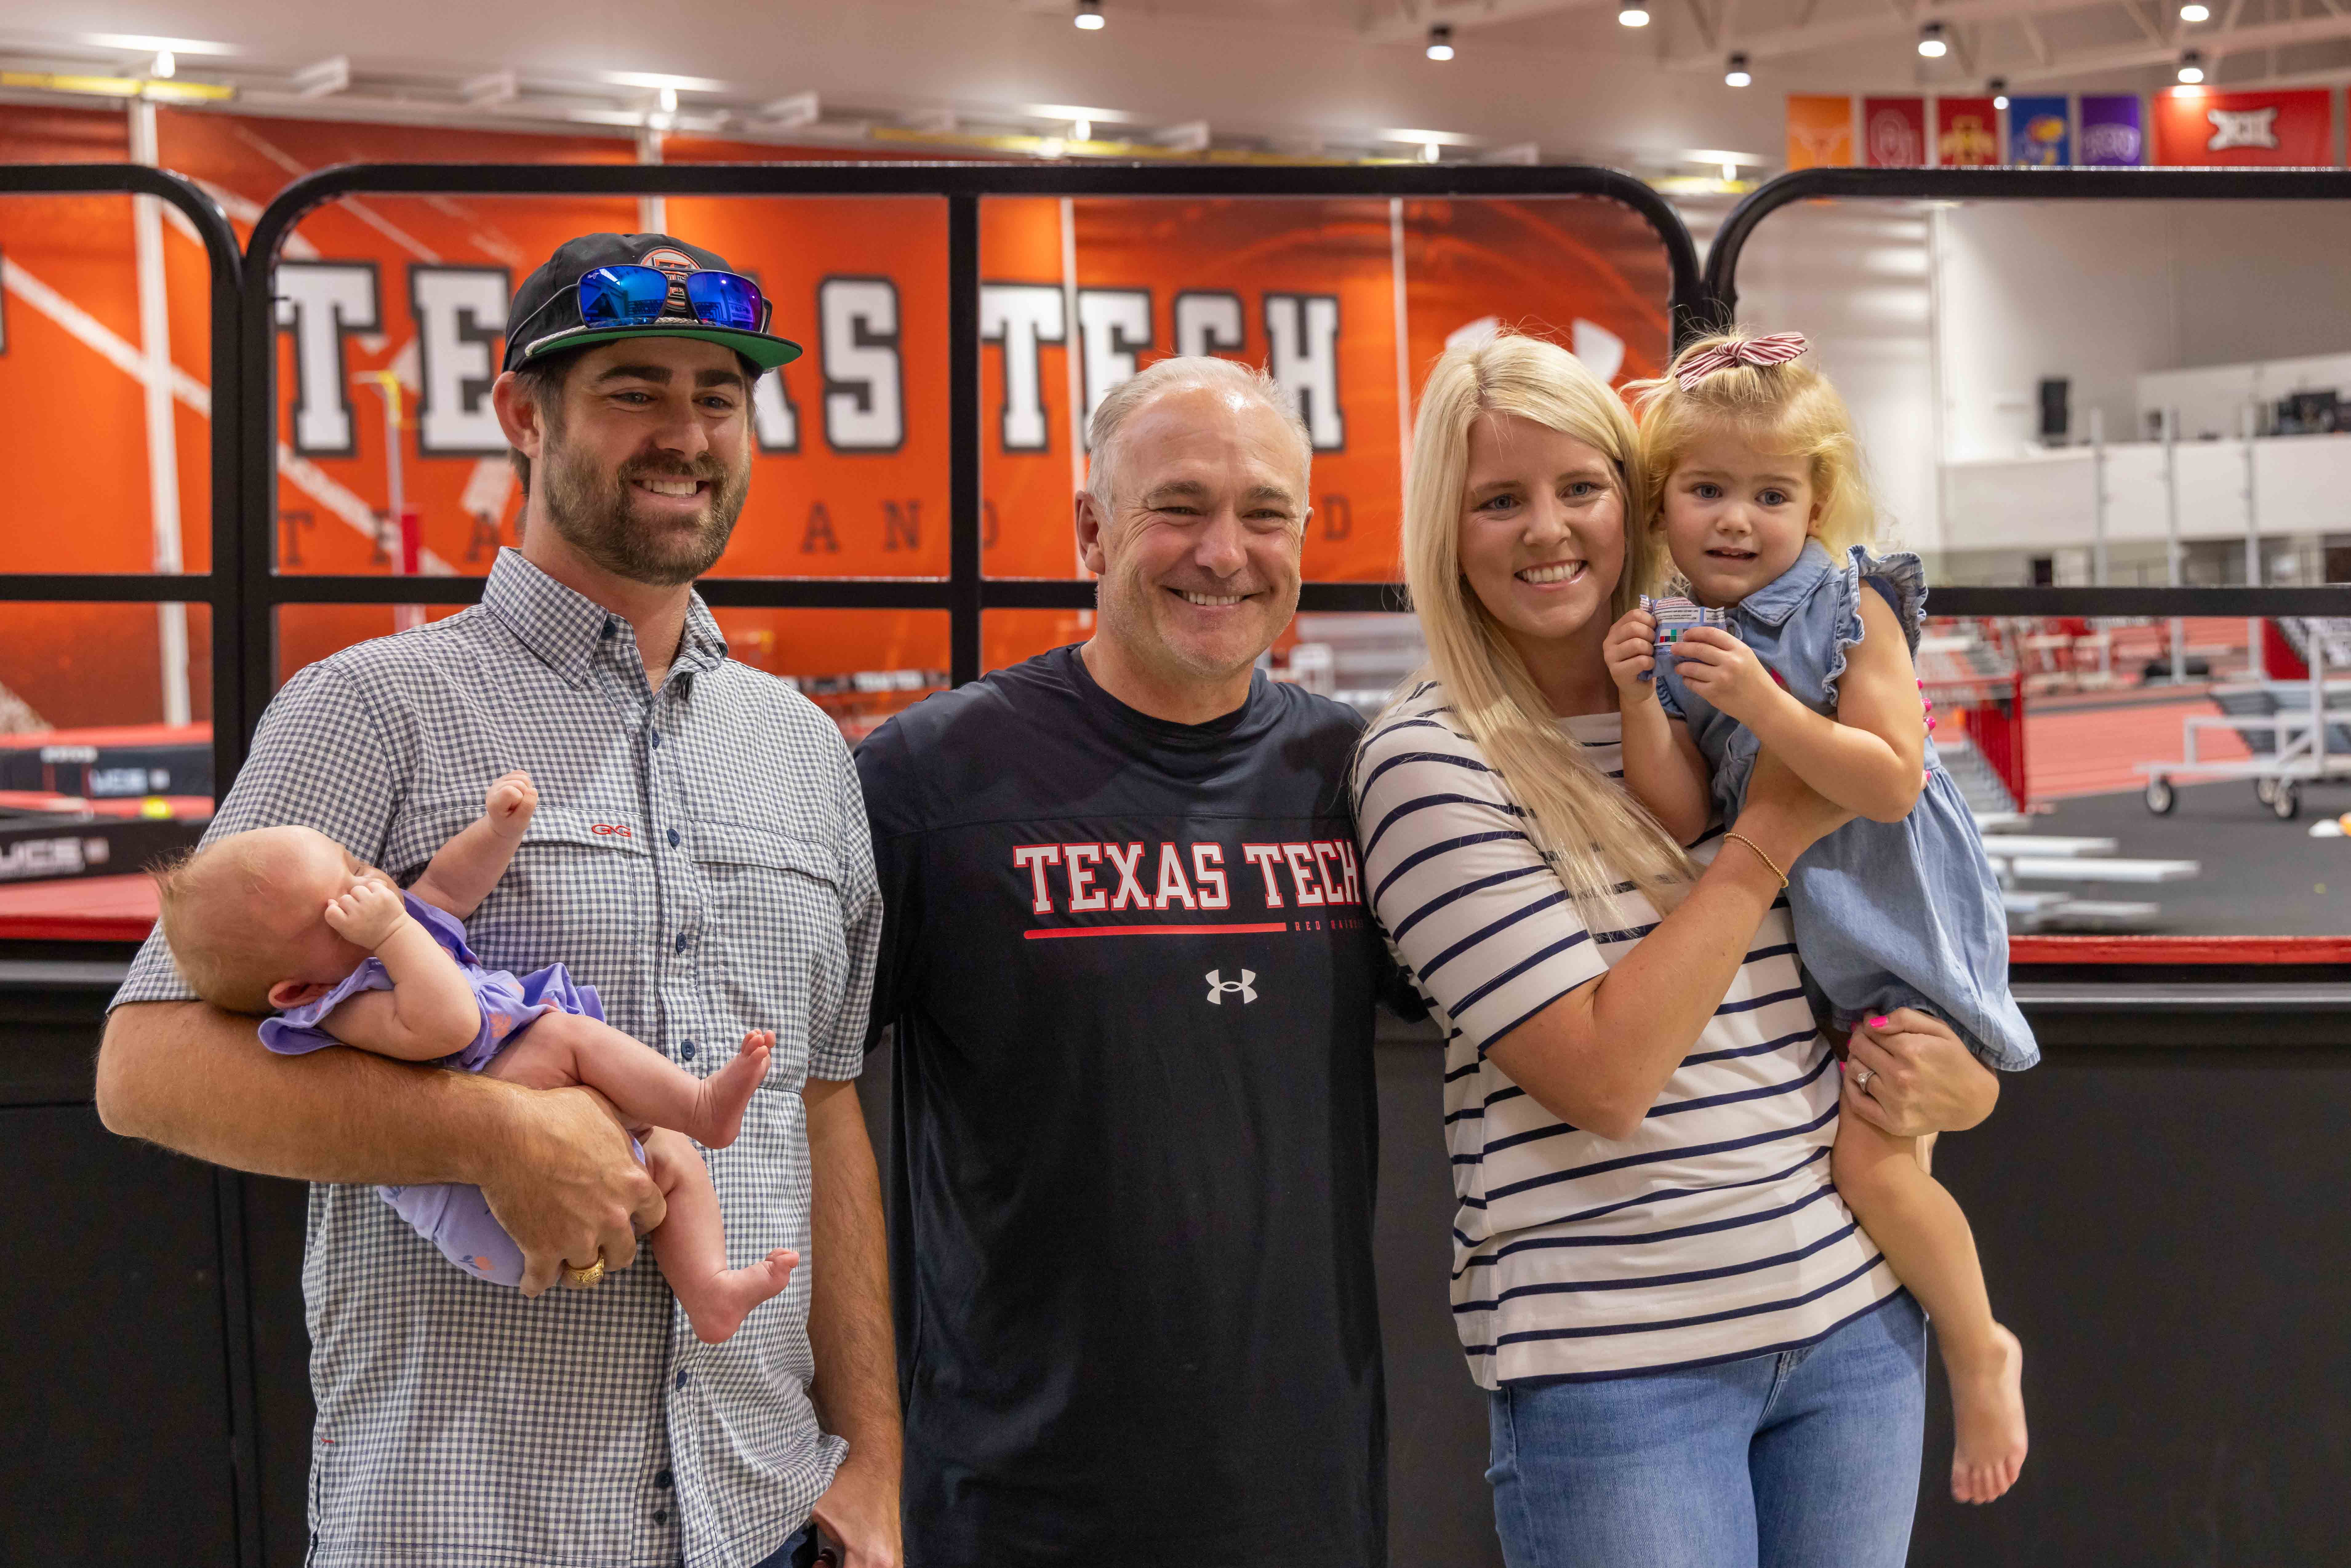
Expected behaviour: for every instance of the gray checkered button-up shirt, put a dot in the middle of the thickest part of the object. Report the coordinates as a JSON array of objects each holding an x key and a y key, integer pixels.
[{"x": 700, "y": 857}]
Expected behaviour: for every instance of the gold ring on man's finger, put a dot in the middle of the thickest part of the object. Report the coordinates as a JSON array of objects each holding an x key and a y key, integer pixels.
[{"x": 585, "y": 1279}]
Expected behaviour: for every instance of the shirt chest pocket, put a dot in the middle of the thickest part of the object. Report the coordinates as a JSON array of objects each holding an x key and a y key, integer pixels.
[{"x": 773, "y": 938}]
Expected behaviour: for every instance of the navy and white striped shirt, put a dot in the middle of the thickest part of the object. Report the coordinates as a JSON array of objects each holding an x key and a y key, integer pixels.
[{"x": 1713, "y": 1233}]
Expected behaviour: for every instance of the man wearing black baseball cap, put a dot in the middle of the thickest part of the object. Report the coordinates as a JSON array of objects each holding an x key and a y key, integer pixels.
[{"x": 701, "y": 855}]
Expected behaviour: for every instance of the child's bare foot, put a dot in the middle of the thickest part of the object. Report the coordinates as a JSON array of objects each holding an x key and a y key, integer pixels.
[
  {"x": 718, "y": 1309},
  {"x": 727, "y": 1092},
  {"x": 1988, "y": 1409}
]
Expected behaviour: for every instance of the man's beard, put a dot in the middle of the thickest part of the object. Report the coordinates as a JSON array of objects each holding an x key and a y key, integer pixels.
[{"x": 592, "y": 513}]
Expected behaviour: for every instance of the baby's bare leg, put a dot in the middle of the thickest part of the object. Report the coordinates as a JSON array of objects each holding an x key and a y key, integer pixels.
[
  {"x": 647, "y": 1088},
  {"x": 1919, "y": 1228},
  {"x": 690, "y": 1245}
]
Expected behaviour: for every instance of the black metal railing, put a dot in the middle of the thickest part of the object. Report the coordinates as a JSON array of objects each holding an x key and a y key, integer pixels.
[
  {"x": 2046, "y": 185},
  {"x": 244, "y": 589},
  {"x": 965, "y": 593},
  {"x": 218, "y": 589}
]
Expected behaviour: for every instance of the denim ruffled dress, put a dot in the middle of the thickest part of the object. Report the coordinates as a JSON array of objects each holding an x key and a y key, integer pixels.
[{"x": 1887, "y": 914}]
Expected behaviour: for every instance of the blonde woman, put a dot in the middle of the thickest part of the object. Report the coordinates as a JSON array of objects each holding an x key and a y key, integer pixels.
[{"x": 1696, "y": 1358}]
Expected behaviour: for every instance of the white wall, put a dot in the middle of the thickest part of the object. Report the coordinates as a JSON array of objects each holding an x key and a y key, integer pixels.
[
  {"x": 1853, "y": 277},
  {"x": 2103, "y": 293},
  {"x": 2042, "y": 502}
]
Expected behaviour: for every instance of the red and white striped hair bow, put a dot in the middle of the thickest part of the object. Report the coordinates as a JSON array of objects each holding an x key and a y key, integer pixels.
[{"x": 1775, "y": 349}]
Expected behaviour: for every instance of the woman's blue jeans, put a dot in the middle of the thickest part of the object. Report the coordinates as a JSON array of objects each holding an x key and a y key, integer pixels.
[{"x": 1807, "y": 1458}]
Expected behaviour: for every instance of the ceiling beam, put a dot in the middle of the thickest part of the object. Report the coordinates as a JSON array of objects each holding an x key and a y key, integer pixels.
[
  {"x": 1777, "y": 42},
  {"x": 1462, "y": 17},
  {"x": 2216, "y": 46}
]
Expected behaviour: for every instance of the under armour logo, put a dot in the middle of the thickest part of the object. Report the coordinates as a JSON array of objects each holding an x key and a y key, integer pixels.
[
  {"x": 2241, "y": 128},
  {"x": 1218, "y": 986}
]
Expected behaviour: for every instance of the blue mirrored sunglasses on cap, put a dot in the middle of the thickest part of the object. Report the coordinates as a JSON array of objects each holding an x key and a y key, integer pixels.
[{"x": 636, "y": 296}]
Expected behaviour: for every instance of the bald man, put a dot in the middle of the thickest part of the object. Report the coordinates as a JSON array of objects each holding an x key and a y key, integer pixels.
[{"x": 1132, "y": 976}]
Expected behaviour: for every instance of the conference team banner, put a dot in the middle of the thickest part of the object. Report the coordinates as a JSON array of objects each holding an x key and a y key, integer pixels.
[
  {"x": 1347, "y": 303},
  {"x": 1966, "y": 133},
  {"x": 1820, "y": 132},
  {"x": 2274, "y": 128},
  {"x": 1894, "y": 132},
  {"x": 2191, "y": 126},
  {"x": 2040, "y": 133},
  {"x": 2113, "y": 131}
]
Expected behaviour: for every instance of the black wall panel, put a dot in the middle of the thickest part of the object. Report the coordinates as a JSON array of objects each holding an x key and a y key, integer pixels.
[{"x": 2164, "y": 1227}]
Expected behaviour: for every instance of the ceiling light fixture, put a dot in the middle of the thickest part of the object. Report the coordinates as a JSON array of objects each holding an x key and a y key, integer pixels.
[
  {"x": 2193, "y": 12},
  {"x": 2191, "y": 66},
  {"x": 1430, "y": 152},
  {"x": 1089, "y": 17},
  {"x": 1930, "y": 41},
  {"x": 1440, "y": 41},
  {"x": 1737, "y": 75},
  {"x": 1081, "y": 131},
  {"x": 1999, "y": 86},
  {"x": 1632, "y": 13}
]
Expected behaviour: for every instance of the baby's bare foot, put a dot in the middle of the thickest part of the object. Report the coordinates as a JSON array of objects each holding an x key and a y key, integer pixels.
[
  {"x": 725, "y": 1092},
  {"x": 1988, "y": 1409},
  {"x": 720, "y": 1310}
]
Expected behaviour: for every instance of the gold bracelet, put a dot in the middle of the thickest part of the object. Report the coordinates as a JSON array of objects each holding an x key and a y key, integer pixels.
[{"x": 1767, "y": 860}]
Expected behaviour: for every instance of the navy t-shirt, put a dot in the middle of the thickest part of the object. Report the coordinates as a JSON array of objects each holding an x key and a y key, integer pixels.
[{"x": 1132, "y": 971}]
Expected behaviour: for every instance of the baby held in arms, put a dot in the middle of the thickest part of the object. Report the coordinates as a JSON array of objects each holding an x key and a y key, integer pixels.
[{"x": 286, "y": 920}]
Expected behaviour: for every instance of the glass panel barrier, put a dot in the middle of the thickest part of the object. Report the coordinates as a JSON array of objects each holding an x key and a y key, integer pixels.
[{"x": 2116, "y": 394}]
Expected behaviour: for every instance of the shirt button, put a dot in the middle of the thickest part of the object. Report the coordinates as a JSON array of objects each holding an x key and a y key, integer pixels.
[
  {"x": 612, "y": 629},
  {"x": 660, "y": 1516},
  {"x": 686, "y": 1051},
  {"x": 681, "y": 1380},
  {"x": 681, "y": 941},
  {"x": 673, "y": 838},
  {"x": 656, "y": 734},
  {"x": 661, "y": 1479}
]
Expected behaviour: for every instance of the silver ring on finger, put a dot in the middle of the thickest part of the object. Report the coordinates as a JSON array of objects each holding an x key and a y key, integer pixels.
[{"x": 1861, "y": 1077}]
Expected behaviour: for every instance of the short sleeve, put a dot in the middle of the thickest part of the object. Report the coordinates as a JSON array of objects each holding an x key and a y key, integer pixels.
[
  {"x": 1900, "y": 580},
  {"x": 322, "y": 758},
  {"x": 1478, "y": 919},
  {"x": 893, "y": 820},
  {"x": 297, "y": 1031},
  {"x": 839, "y": 1051}
]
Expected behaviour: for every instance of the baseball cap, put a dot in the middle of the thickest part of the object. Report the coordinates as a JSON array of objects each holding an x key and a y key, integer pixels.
[{"x": 544, "y": 318}]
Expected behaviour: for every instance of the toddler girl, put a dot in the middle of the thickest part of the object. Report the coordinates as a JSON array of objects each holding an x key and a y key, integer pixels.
[
  {"x": 1755, "y": 483},
  {"x": 286, "y": 919}
]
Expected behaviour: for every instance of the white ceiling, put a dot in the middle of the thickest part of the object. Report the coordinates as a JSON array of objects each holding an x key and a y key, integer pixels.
[{"x": 1558, "y": 80}]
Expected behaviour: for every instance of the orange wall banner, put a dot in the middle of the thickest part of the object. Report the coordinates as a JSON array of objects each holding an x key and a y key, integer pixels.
[
  {"x": 1820, "y": 132},
  {"x": 1346, "y": 302},
  {"x": 1966, "y": 133}
]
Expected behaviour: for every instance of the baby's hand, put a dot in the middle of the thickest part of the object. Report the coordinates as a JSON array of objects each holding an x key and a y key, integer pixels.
[
  {"x": 1631, "y": 650},
  {"x": 368, "y": 914},
  {"x": 1725, "y": 671},
  {"x": 512, "y": 800}
]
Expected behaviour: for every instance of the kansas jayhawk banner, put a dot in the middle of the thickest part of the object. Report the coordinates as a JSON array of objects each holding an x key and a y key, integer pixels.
[{"x": 390, "y": 312}]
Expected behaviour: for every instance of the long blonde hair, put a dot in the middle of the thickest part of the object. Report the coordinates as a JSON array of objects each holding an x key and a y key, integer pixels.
[
  {"x": 1788, "y": 408},
  {"x": 1591, "y": 832}
]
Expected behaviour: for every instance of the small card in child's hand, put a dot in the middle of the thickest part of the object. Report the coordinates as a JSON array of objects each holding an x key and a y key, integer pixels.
[{"x": 1674, "y": 616}]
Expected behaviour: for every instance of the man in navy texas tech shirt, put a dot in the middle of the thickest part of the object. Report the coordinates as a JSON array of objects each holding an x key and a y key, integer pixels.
[{"x": 1130, "y": 965}]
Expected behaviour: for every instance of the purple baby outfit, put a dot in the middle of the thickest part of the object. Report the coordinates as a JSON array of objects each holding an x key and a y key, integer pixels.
[
  {"x": 509, "y": 1005},
  {"x": 455, "y": 1218}
]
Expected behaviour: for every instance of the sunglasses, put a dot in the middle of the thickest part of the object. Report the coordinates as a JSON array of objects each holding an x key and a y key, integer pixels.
[{"x": 640, "y": 296}]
